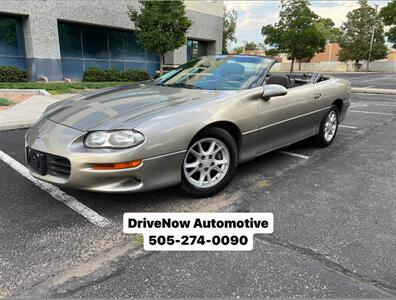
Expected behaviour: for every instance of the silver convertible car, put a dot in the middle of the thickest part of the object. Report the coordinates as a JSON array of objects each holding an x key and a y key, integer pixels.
[{"x": 192, "y": 126}]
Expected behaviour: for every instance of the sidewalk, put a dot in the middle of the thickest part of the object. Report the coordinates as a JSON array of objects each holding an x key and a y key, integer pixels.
[{"x": 23, "y": 115}]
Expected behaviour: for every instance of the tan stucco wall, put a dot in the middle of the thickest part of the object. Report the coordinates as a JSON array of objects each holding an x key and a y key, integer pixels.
[{"x": 215, "y": 8}]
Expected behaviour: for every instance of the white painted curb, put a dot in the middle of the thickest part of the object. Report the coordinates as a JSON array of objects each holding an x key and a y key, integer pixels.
[{"x": 373, "y": 91}]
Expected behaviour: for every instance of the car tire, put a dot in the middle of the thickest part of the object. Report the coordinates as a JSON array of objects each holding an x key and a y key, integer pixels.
[
  {"x": 206, "y": 171},
  {"x": 328, "y": 128}
]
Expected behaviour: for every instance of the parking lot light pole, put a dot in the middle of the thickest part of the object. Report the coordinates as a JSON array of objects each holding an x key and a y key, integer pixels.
[{"x": 372, "y": 38}]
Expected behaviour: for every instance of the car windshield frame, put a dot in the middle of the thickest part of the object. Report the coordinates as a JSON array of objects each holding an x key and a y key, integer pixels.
[{"x": 219, "y": 72}]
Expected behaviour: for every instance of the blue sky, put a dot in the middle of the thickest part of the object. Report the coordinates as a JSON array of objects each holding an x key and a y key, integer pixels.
[{"x": 252, "y": 15}]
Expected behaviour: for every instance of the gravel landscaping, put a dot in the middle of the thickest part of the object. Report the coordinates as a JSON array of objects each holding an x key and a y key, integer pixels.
[{"x": 15, "y": 98}]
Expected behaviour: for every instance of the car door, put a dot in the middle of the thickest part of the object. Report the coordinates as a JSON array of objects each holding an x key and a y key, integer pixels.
[{"x": 290, "y": 118}]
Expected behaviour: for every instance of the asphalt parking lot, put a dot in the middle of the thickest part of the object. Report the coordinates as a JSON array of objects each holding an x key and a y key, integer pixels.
[
  {"x": 334, "y": 211},
  {"x": 372, "y": 80}
]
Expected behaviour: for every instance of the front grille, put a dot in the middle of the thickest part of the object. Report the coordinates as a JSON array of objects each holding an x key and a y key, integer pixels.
[{"x": 58, "y": 166}]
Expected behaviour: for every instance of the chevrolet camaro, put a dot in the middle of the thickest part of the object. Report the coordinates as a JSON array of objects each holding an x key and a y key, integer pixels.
[{"x": 192, "y": 126}]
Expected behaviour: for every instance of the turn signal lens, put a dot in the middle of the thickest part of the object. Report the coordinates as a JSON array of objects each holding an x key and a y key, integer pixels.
[{"x": 117, "y": 166}]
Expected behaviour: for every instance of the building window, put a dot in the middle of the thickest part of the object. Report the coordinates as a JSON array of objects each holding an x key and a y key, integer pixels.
[
  {"x": 195, "y": 49},
  {"x": 88, "y": 46},
  {"x": 12, "y": 46}
]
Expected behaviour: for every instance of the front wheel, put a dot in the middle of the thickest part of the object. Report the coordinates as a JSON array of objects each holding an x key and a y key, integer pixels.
[
  {"x": 210, "y": 163},
  {"x": 328, "y": 128}
]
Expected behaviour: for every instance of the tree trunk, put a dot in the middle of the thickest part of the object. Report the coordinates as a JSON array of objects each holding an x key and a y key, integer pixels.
[
  {"x": 299, "y": 65},
  {"x": 161, "y": 64},
  {"x": 292, "y": 65}
]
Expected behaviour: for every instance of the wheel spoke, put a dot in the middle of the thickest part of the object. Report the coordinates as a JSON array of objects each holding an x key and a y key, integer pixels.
[
  {"x": 218, "y": 149},
  {"x": 202, "y": 177},
  {"x": 195, "y": 153},
  {"x": 220, "y": 162},
  {"x": 192, "y": 172},
  {"x": 192, "y": 165},
  {"x": 201, "y": 150},
  {"x": 216, "y": 168},
  {"x": 211, "y": 147}
]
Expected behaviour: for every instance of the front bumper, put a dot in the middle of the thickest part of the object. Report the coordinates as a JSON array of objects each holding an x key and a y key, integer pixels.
[
  {"x": 343, "y": 112},
  {"x": 56, "y": 139}
]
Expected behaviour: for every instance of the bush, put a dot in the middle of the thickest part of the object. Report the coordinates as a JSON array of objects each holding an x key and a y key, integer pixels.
[
  {"x": 97, "y": 75},
  {"x": 13, "y": 74},
  {"x": 6, "y": 102}
]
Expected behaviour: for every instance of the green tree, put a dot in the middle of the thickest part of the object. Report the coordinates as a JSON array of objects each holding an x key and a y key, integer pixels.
[
  {"x": 331, "y": 33},
  {"x": 229, "y": 28},
  {"x": 388, "y": 14},
  {"x": 362, "y": 27},
  {"x": 296, "y": 33},
  {"x": 238, "y": 50},
  {"x": 251, "y": 46},
  {"x": 161, "y": 25}
]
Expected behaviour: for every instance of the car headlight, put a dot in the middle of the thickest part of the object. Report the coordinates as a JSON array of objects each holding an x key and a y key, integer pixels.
[{"x": 113, "y": 139}]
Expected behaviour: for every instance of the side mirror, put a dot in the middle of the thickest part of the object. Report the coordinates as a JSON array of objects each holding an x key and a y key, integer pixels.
[{"x": 273, "y": 90}]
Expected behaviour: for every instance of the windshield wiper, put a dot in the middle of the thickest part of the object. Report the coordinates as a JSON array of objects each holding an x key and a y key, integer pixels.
[{"x": 184, "y": 85}]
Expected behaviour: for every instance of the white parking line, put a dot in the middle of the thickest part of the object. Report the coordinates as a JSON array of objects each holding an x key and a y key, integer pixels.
[
  {"x": 371, "y": 112},
  {"x": 386, "y": 105},
  {"x": 293, "y": 154},
  {"x": 56, "y": 193},
  {"x": 347, "y": 126}
]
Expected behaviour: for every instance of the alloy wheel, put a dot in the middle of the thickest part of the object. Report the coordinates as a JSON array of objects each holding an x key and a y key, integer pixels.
[
  {"x": 330, "y": 126},
  {"x": 206, "y": 162}
]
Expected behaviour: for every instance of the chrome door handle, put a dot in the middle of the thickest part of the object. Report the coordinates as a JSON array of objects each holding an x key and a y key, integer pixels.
[{"x": 317, "y": 96}]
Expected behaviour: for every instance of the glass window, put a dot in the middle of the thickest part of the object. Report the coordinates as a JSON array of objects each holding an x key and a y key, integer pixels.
[
  {"x": 133, "y": 51},
  {"x": 151, "y": 68},
  {"x": 221, "y": 72},
  {"x": 152, "y": 56},
  {"x": 100, "y": 64},
  {"x": 195, "y": 49},
  {"x": 91, "y": 46},
  {"x": 95, "y": 43},
  {"x": 12, "y": 61},
  {"x": 12, "y": 47},
  {"x": 117, "y": 65},
  {"x": 135, "y": 66},
  {"x": 72, "y": 68},
  {"x": 116, "y": 45},
  {"x": 70, "y": 40}
]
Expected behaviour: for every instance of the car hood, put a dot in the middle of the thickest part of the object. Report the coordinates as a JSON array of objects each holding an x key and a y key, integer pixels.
[{"x": 121, "y": 107}]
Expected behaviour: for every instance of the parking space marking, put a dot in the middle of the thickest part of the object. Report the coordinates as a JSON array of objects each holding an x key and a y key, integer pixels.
[
  {"x": 386, "y": 105},
  {"x": 56, "y": 193},
  {"x": 347, "y": 126},
  {"x": 372, "y": 112},
  {"x": 293, "y": 154}
]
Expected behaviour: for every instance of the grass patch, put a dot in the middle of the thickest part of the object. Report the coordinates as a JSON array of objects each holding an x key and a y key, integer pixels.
[
  {"x": 138, "y": 239},
  {"x": 60, "y": 87},
  {"x": 6, "y": 102}
]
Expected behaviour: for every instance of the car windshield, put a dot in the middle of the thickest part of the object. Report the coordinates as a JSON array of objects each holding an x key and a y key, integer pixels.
[{"x": 223, "y": 72}]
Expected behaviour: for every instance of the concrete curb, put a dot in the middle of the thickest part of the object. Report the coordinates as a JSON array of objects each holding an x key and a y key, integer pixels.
[
  {"x": 15, "y": 126},
  {"x": 25, "y": 91},
  {"x": 373, "y": 91}
]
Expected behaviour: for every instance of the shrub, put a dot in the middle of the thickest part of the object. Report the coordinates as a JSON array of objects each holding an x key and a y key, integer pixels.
[
  {"x": 13, "y": 74},
  {"x": 6, "y": 102},
  {"x": 97, "y": 75}
]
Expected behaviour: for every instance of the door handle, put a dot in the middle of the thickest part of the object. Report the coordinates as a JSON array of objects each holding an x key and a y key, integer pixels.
[{"x": 317, "y": 96}]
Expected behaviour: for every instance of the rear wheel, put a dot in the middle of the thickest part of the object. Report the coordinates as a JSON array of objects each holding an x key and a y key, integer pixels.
[
  {"x": 210, "y": 163},
  {"x": 328, "y": 128}
]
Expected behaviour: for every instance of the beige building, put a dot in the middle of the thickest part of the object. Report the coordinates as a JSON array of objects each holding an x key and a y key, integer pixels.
[
  {"x": 391, "y": 55},
  {"x": 329, "y": 55}
]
